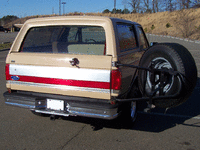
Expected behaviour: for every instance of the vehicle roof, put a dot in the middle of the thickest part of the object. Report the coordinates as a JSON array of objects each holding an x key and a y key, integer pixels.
[{"x": 76, "y": 18}]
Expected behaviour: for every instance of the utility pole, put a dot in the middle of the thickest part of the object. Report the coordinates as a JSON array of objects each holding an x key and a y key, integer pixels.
[
  {"x": 60, "y": 7},
  {"x": 63, "y": 7},
  {"x": 52, "y": 10},
  {"x": 114, "y": 6}
]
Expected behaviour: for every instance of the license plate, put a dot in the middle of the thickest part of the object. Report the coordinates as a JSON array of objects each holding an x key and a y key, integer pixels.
[{"x": 55, "y": 104}]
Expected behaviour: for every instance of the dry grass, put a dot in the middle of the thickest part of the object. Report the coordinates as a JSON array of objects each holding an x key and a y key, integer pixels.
[
  {"x": 5, "y": 46},
  {"x": 159, "y": 20}
]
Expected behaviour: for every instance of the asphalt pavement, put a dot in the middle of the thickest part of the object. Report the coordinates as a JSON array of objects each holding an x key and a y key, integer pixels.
[
  {"x": 7, "y": 37},
  {"x": 178, "y": 129}
]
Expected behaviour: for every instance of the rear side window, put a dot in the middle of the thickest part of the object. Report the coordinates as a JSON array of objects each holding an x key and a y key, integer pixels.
[
  {"x": 127, "y": 40},
  {"x": 143, "y": 40},
  {"x": 88, "y": 40}
]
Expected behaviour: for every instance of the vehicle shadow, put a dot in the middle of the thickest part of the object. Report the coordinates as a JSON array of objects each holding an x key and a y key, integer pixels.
[{"x": 156, "y": 121}]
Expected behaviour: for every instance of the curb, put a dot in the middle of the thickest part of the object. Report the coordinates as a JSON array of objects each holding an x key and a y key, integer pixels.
[{"x": 187, "y": 40}]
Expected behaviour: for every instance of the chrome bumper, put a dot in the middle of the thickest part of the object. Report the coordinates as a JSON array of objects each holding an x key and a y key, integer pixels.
[{"x": 72, "y": 107}]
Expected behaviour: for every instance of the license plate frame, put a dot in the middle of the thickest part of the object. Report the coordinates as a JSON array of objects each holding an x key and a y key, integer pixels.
[{"x": 57, "y": 105}]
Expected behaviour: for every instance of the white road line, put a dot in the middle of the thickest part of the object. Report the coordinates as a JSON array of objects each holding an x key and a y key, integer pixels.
[
  {"x": 187, "y": 40},
  {"x": 170, "y": 115}
]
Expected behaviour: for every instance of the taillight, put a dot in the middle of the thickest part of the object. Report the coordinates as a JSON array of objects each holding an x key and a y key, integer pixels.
[
  {"x": 104, "y": 49},
  {"x": 115, "y": 80},
  {"x": 7, "y": 72}
]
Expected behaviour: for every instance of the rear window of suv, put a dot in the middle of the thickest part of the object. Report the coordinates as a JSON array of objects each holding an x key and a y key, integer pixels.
[{"x": 89, "y": 40}]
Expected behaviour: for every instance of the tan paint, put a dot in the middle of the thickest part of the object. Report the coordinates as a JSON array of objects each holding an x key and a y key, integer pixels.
[{"x": 62, "y": 60}]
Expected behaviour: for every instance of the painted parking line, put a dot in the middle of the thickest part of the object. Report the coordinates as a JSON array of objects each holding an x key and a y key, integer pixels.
[
  {"x": 187, "y": 40},
  {"x": 170, "y": 115}
]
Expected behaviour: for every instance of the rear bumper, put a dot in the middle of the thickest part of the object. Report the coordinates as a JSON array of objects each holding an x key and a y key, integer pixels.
[{"x": 73, "y": 106}]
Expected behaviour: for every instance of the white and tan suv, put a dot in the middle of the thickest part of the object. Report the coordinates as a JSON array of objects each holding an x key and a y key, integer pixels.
[{"x": 94, "y": 67}]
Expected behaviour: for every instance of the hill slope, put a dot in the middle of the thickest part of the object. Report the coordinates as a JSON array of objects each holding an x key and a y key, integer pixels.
[{"x": 185, "y": 23}]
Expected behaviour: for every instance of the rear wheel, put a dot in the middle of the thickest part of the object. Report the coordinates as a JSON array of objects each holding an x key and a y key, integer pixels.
[
  {"x": 169, "y": 56},
  {"x": 129, "y": 113},
  {"x": 133, "y": 111}
]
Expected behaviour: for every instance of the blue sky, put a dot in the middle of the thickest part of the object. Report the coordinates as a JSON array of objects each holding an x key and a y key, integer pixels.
[{"x": 22, "y": 8}]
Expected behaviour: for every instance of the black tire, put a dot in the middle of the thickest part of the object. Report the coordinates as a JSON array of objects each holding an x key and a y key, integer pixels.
[
  {"x": 169, "y": 55},
  {"x": 129, "y": 113}
]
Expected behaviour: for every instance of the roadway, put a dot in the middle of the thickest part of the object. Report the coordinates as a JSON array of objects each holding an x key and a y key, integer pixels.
[
  {"x": 7, "y": 37},
  {"x": 179, "y": 128}
]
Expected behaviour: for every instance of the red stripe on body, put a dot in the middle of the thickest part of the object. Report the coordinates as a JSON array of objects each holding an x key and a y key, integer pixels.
[{"x": 78, "y": 83}]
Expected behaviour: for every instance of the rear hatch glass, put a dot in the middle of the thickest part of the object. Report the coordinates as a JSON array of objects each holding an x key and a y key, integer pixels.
[{"x": 87, "y": 40}]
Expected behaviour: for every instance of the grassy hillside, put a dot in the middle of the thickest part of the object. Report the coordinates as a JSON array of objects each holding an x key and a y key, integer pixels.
[{"x": 185, "y": 23}]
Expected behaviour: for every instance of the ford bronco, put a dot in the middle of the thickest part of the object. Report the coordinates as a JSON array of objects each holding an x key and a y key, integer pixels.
[{"x": 97, "y": 67}]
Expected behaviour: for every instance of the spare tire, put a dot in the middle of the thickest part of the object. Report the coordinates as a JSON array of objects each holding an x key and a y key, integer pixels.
[{"x": 169, "y": 56}]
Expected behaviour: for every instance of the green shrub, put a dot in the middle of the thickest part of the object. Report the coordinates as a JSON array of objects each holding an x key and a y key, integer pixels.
[
  {"x": 5, "y": 46},
  {"x": 168, "y": 25},
  {"x": 152, "y": 27},
  {"x": 145, "y": 29}
]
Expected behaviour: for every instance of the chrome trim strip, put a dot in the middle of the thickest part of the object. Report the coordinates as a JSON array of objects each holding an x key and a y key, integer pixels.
[
  {"x": 20, "y": 105},
  {"x": 75, "y": 113},
  {"x": 94, "y": 115},
  {"x": 61, "y": 72},
  {"x": 61, "y": 87},
  {"x": 51, "y": 112}
]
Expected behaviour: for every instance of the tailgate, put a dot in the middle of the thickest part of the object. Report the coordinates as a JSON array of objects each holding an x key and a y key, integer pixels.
[{"x": 54, "y": 73}]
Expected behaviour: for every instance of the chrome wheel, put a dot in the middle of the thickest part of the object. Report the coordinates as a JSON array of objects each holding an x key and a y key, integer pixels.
[{"x": 160, "y": 63}]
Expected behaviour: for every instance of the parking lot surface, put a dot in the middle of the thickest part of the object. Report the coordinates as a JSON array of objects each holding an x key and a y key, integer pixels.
[{"x": 178, "y": 129}]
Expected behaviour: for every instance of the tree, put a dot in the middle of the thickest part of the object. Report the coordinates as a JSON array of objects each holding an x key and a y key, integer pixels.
[
  {"x": 187, "y": 3},
  {"x": 146, "y": 7},
  {"x": 135, "y": 4},
  {"x": 146, "y": 4},
  {"x": 196, "y": 4},
  {"x": 7, "y": 19},
  {"x": 125, "y": 11},
  {"x": 117, "y": 11},
  {"x": 170, "y": 5},
  {"x": 157, "y": 2},
  {"x": 184, "y": 4},
  {"x": 155, "y": 5},
  {"x": 106, "y": 11}
]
